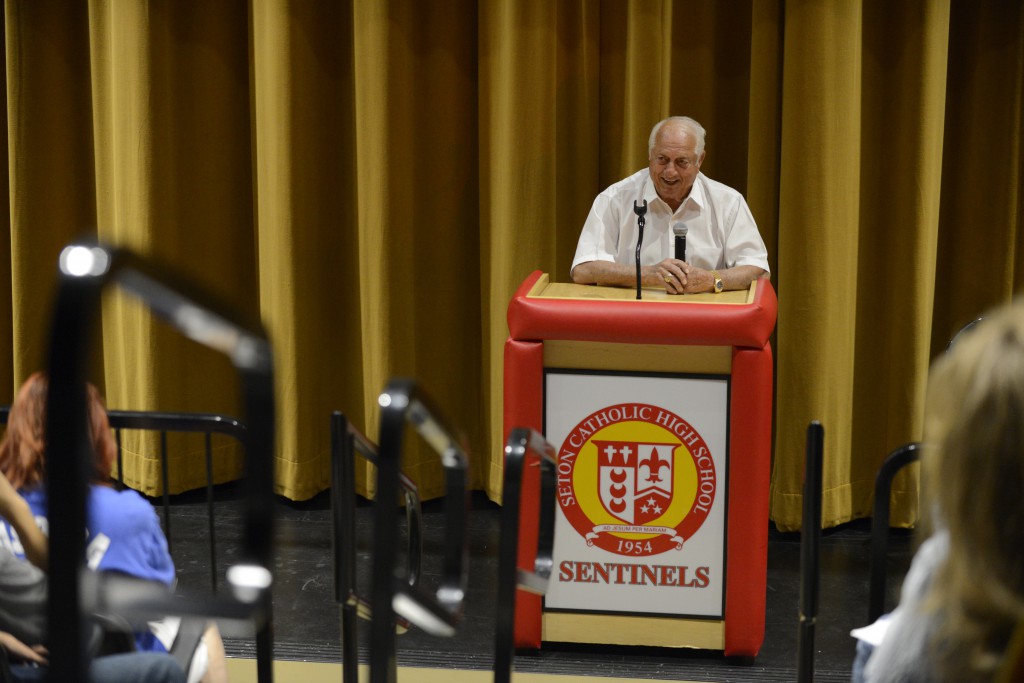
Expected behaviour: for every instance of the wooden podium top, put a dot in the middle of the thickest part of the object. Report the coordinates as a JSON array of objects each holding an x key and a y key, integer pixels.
[
  {"x": 542, "y": 310},
  {"x": 543, "y": 288}
]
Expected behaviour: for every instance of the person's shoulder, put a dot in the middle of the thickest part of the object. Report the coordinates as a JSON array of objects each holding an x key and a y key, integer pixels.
[
  {"x": 934, "y": 549},
  {"x": 126, "y": 500},
  {"x": 36, "y": 499},
  {"x": 121, "y": 514},
  {"x": 34, "y": 496}
]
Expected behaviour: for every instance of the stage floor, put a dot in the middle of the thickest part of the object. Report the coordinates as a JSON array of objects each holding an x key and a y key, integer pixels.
[{"x": 306, "y": 618}]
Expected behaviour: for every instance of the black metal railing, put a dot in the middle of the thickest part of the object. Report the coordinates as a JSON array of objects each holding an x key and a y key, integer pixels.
[
  {"x": 346, "y": 443},
  {"x": 85, "y": 270},
  {"x": 525, "y": 451},
  {"x": 437, "y": 612},
  {"x": 810, "y": 552},
  {"x": 893, "y": 463}
]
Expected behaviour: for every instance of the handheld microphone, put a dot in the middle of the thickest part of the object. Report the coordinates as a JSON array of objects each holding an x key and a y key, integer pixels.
[
  {"x": 679, "y": 230},
  {"x": 640, "y": 212}
]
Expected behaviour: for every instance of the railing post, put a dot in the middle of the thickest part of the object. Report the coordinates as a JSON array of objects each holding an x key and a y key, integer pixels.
[
  {"x": 810, "y": 541},
  {"x": 84, "y": 270},
  {"x": 440, "y": 612},
  {"x": 526, "y": 451}
]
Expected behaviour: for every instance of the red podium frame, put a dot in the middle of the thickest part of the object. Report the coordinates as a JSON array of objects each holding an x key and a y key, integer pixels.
[{"x": 542, "y": 312}]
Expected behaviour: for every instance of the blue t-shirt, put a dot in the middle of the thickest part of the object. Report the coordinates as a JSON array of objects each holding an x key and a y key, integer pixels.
[{"x": 123, "y": 535}]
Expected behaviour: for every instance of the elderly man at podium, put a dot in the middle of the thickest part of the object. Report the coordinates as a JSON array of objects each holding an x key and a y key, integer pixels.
[{"x": 721, "y": 246}]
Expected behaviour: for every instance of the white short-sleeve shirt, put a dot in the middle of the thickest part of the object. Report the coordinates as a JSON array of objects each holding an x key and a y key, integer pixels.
[{"x": 721, "y": 232}]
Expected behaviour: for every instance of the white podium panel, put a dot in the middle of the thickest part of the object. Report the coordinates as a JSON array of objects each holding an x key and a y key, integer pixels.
[{"x": 642, "y": 464}]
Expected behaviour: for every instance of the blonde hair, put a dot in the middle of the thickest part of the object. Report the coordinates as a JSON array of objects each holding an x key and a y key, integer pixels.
[{"x": 974, "y": 481}]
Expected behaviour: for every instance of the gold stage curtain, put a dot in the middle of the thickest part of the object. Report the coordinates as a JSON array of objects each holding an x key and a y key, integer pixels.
[{"x": 373, "y": 178}]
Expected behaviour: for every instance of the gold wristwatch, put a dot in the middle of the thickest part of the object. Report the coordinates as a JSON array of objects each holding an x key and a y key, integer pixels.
[{"x": 719, "y": 285}]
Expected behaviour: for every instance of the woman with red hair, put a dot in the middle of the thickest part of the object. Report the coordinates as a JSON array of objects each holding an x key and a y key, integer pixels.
[
  {"x": 124, "y": 533},
  {"x": 23, "y": 449}
]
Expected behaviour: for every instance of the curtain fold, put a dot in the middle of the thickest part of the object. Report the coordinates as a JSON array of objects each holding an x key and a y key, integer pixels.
[
  {"x": 885, "y": 343},
  {"x": 982, "y": 204},
  {"x": 904, "y": 91},
  {"x": 538, "y": 160},
  {"x": 818, "y": 248},
  {"x": 51, "y": 199},
  {"x": 305, "y": 227},
  {"x": 374, "y": 179},
  {"x": 418, "y": 201},
  {"x": 7, "y": 373},
  {"x": 767, "y": 23},
  {"x": 647, "y": 78},
  {"x": 518, "y": 181},
  {"x": 170, "y": 112},
  {"x": 710, "y": 80}
]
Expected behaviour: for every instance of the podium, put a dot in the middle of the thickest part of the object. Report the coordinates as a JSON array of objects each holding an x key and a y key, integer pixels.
[{"x": 661, "y": 413}]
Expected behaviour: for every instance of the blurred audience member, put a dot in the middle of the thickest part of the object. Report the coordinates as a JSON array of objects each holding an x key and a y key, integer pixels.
[
  {"x": 964, "y": 593},
  {"x": 124, "y": 533}
]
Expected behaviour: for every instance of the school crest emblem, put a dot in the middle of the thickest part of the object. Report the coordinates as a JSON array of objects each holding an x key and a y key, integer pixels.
[
  {"x": 635, "y": 479},
  {"x": 641, "y": 480}
]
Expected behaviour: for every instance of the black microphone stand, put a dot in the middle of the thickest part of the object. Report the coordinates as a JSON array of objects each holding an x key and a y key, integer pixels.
[{"x": 639, "y": 211}]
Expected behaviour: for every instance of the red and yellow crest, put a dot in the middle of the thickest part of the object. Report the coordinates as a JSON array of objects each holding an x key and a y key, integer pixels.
[{"x": 636, "y": 479}]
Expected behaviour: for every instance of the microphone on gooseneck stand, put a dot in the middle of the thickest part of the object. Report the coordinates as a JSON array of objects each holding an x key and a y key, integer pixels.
[
  {"x": 679, "y": 230},
  {"x": 640, "y": 211}
]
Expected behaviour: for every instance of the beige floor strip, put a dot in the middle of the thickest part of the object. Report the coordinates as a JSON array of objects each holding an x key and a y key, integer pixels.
[{"x": 244, "y": 670}]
